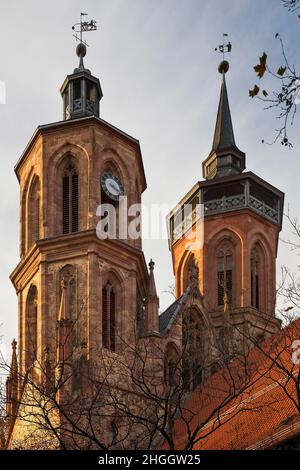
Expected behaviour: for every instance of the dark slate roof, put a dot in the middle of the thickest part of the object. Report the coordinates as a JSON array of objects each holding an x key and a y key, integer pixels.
[
  {"x": 223, "y": 137},
  {"x": 168, "y": 316}
]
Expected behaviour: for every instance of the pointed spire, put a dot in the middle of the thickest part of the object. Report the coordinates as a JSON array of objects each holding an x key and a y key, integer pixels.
[
  {"x": 14, "y": 360},
  {"x": 152, "y": 287},
  {"x": 223, "y": 137},
  {"x": 152, "y": 301},
  {"x": 12, "y": 383},
  {"x": 225, "y": 158}
]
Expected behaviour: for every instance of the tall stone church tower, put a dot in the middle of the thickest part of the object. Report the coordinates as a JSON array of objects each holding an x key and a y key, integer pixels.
[
  {"x": 233, "y": 238},
  {"x": 67, "y": 276},
  {"x": 82, "y": 297}
]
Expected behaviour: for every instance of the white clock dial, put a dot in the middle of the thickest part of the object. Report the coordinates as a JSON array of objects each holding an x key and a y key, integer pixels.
[{"x": 112, "y": 186}]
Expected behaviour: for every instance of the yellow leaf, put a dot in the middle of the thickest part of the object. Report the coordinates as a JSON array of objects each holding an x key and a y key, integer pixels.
[{"x": 261, "y": 67}]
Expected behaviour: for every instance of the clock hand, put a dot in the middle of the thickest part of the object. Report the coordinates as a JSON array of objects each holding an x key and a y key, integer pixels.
[{"x": 115, "y": 186}]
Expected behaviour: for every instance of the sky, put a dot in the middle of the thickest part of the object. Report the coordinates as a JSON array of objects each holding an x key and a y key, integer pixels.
[{"x": 158, "y": 72}]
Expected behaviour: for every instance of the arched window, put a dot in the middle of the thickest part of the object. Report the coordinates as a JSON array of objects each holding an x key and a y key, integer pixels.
[
  {"x": 34, "y": 212},
  {"x": 31, "y": 327},
  {"x": 255, "y": 278},
  {"x": 224, "y": 276},
  {"x": 193, "y": 349},
  {"x": 70, "y": 199},
  {"x": 108, "y": 317}
]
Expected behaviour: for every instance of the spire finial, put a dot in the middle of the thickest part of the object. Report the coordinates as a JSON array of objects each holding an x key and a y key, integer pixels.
[
  {"x": 14, "y": 360},
  {"x": 151, "y": 265},
  {"x": 223, "y": 49}
]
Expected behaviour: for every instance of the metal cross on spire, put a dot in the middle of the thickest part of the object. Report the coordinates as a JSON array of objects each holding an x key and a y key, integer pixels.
[
  {"x": 224, "y": 48},
  {"x": 83, "y": 27}
]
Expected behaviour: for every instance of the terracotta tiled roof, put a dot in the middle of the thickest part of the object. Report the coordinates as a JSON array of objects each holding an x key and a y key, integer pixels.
[{"x": 251, "y": 403}]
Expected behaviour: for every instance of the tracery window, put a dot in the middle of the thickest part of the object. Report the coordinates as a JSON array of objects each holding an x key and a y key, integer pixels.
[{"x": 224, "y": 276}]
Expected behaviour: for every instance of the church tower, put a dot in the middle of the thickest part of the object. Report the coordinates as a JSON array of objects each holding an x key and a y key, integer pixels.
[
  {"x": 233, "y": 237},
  {"x": 69, "y": 279}
]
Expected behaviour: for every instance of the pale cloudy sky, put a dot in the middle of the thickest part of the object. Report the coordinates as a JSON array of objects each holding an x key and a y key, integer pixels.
[{"x": 158, "y": 72}]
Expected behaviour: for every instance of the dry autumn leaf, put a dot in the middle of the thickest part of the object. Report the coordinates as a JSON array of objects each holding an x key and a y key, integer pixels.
[
  {"x": 261, "y": 67},
  {"x": 281, "y": 71},
  {"x": 254, "y": 92}
]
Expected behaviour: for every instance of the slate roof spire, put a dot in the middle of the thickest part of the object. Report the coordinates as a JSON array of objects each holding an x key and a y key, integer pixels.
[
  {"x": 223, "y": 137},
  {"x": 225, "y": 158}
]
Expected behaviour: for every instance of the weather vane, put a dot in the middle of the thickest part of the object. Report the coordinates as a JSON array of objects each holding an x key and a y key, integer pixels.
[
  {"x": 224, "y": 48},
  {"x": 83, "y": 27}
]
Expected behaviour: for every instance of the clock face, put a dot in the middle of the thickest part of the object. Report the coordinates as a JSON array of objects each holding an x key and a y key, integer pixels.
[{"x": 112, "y": 186}]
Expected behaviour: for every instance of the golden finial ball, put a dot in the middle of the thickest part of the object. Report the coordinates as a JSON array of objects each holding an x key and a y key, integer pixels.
[
  {"x": 81, "y": 50},
  {"x": 224, "y": 66}
]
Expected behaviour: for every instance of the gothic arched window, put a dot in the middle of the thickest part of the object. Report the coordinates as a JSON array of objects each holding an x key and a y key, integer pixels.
[
  {"x": 70, "y": 200},
  {"x": 255, "y": 278},
  {"x": 193, "y": 347},
  {"x": 224, "y": 276},
  {"x": 31, "y": 327},
  {"x": 34, "y": 212},
  {"x": 108, "y": 317}
]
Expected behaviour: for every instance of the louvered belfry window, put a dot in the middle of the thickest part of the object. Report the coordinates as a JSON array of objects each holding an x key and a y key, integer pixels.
[
  {"x": 70, "y": 200},
  {"x": 108, "y": 317},
  {"x": 224, "y": 269}
]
